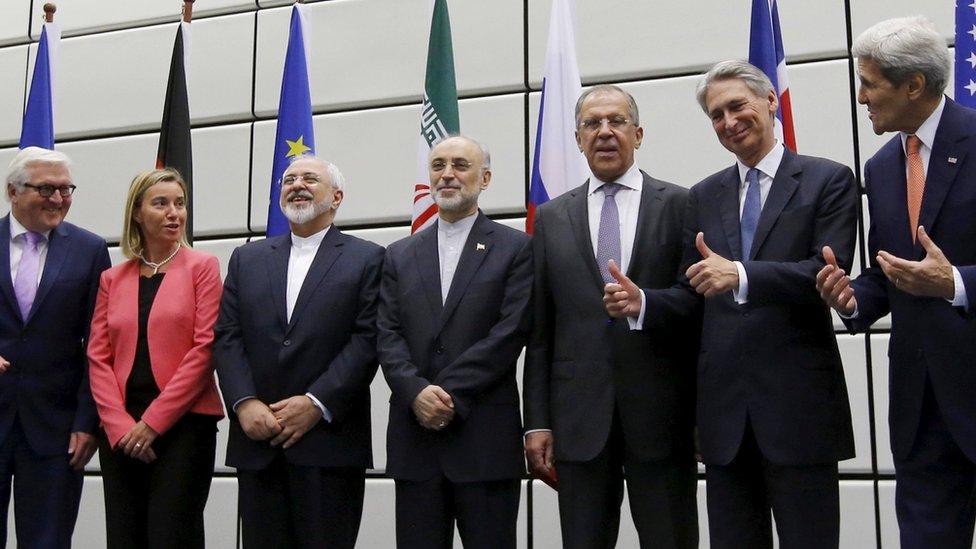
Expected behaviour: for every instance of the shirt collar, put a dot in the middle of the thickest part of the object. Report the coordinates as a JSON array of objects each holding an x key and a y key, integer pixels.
[
  {"x": 768, "y": 165},
  {"x": 926, "y": 132},
  {"x": 312, "y": 241},
  {"x": 16, "y": 229},
  {"x": 632, "y": 179},
  {"x": 460, "y": 225}
]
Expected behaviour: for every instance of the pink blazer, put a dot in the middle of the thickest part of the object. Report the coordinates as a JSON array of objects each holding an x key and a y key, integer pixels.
[{"x": 180, "y": 334}]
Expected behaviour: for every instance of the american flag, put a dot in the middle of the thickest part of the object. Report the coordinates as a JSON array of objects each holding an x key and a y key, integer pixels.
[
  {"x": 766, "y": 52},
  {"x": 966, "y": 53}
]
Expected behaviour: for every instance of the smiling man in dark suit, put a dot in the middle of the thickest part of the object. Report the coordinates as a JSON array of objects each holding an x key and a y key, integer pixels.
[
  {"x": 604, "y": 404},
  {"x": 922, "y": 245},
  {"x": 49, "y": 271},
  {"x": 452, "y": 321},
  {"x": 773, "y": 412},
  {"x": 295, "y": 351}
]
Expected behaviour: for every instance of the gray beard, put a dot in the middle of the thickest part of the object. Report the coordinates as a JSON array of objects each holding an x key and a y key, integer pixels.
[{"x": 299, "y": 215}]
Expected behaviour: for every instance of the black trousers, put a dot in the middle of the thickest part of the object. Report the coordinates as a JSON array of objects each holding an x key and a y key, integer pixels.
[
  {"x": 804, "y": 499},
  {"x": 160, "y": 504},
  {"x": 486, "y": 513},
  {"x": 662, "y": 495},
  {"x": 935, "y": 497},
  {"x": 294, "y": 506}
]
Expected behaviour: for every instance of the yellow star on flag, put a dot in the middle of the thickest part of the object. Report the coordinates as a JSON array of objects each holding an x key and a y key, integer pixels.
[{"x": 296, "y": 147}]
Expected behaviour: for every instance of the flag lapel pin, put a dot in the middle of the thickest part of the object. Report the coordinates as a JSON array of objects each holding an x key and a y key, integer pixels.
[
  {"x": 952, "y": 159},
  {"x": 479, "y": 247}
]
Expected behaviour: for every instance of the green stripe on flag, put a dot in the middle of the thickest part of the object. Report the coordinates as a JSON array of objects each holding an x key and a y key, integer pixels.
[{"x": 440, "y": 87}]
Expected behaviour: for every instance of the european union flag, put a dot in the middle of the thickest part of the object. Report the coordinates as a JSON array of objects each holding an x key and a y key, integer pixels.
[
  {"x": 966, "y": 53},
  {"x": 38, "y": 126},
  {"x": 294, "y": 135}
]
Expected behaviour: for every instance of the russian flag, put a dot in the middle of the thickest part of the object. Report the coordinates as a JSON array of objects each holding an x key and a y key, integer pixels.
[
  {"x": 558, "y": 165},
  {"x": 38, "y": 125},
  {"x": 766, "y": 52}
]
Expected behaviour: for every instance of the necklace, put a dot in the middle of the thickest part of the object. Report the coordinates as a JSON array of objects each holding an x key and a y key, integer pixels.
[{"x": 156, "y": 266}]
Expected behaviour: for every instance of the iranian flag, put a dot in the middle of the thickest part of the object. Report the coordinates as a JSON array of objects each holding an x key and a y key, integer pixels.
[{"x": 439, "y": 116}]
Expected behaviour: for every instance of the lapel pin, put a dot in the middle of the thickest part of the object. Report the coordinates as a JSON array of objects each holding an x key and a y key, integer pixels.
[
  {"x": 952, "y": 159},
  {"x": 479, "y": 246}
]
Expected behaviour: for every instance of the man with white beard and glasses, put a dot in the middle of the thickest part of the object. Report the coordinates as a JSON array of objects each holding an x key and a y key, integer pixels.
[
  {"x": 452, "y": 322},
  {"x": 295, "y": 352}
]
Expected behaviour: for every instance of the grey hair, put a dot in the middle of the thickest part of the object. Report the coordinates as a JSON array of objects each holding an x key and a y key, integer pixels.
[
  {"x": 335, "y": 176},
  {"x": 17, "y": 170},
  {"x": 485, "y": 153},
  {"x": 632, "y": 111},
  {"x": 749, "y": 74},
  {"x": 903, "y": 46}
]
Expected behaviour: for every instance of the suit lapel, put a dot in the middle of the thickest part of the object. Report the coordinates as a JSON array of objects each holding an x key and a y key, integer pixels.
[
  {"x": 650, "y": 209},
  {"x": 329, "y": 251},
  {"x": 476, "y": 249},
  {"x": 784, "y": 186},
  {"x": 429, "y": 265},
  {"x": 57, "y": 252},
  {"x": 277, "y": 263},
  {"x": 6, "y": 284},
  {"x": 728, "y": 205},
  {"x": 579, "y": 219},
  {"x": 941, "y": 172}
]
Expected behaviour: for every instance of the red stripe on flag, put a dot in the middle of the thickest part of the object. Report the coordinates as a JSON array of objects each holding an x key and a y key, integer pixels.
[
  {"x": 422, "y": 218},
  {"x": 787, "y": 111},
  {"x": 420, "y": 196},
  {"x": 529, "y": 218}
]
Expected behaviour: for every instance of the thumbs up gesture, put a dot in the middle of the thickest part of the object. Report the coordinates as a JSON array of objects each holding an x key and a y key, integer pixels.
[
  {"x": 714, "y": 274},
  {"x": 835, "y": 286},
  {"x": 622, "y": 298},
  {"x": 930, "y": 277}
]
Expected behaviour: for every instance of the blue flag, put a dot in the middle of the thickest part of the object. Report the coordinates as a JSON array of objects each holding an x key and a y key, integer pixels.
[
  {"x": 38, "y": 126},
  {"x": 966, "y": 53},
  {"x": 294, "y": 135}
]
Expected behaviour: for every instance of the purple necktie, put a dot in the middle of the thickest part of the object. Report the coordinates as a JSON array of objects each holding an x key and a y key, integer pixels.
[
  {"x": 25, "y": 285},
  {"x": 608, "y": 239}
]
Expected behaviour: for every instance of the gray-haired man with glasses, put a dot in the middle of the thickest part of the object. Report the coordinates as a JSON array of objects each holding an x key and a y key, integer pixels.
[
  {"x": 601, "y": 399},
  {"x": 49, "y": 272}
]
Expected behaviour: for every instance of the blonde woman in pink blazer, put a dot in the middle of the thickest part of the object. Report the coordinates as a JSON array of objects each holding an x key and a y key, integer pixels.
[{"x": 151, "y": 374}]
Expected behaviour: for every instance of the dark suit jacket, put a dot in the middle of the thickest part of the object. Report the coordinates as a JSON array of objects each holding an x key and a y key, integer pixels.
[
  {"x": 468, "y": 346},
  {"x": 47, "y": 383},
  {"x": 328, "y": 349},
  {"x": 580, "y": 366},
  {"x": 773, "y": 360},
  {"x": 929, "y": 337}
]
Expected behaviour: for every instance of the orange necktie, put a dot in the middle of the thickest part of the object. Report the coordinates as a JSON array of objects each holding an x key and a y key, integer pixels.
[{"x": 916, "y": 181}]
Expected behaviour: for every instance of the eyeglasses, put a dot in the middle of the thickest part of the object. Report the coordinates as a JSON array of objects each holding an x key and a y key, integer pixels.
[
  {"x": 308, "y": 178},
  {"x": 47, "y": 191},
  {"x": 592, "y": 124}
]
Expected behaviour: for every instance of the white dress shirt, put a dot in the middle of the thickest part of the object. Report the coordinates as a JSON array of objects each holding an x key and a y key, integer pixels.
[
  {"x": 767, "y": 168},
  {"x": 18, "y": 239},
  {"x": 450, "y": 243}
]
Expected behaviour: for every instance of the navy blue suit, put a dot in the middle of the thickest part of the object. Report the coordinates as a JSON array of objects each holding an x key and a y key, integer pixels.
[
  {"x": 45, "y": 395},
  {"x": 328, "y": 349},
  {"x": 932, "y": 351}
]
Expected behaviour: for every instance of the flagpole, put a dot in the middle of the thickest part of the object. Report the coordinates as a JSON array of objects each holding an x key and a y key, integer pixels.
[
  {"x": 187, "y": 11},
  {"x": 188, "y": 18},
  {"x": 49, "y": 10}
]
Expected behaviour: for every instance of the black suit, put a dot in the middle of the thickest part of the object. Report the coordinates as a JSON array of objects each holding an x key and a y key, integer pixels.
[
  {"x": 468, "y": 346},
  {"x": 611, "y": 396},
  {"x": 310, "y": 494},
  {"x": 772, "y": 402}
]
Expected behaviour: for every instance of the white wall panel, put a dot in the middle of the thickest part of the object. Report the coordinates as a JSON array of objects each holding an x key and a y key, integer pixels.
[
  {"x": 116, "y": 81},
  {"x": 376, "y": 151},
  {"x": 378, "y": 526},
  {"x": 865, "y": 13},
  {"x": 857, "y": 514},
  {"x": 852, "y": 352},
  {"x": 821, "y": 97},
  {"x": 623, "y": 39},
  {"x": 83, "y": 16},
  {"x": 886, "y": 508},
  {"x": 221, "y": 158},
  {"x": 13, "y": 65},
  {"x": 220, "y": 515},
  {"x": 360, "y": 58},
  {"x": 16, "y": 18},
  {"x": 879, "y": 370}
]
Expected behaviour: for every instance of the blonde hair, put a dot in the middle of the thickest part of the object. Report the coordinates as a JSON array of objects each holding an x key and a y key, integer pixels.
[{"x": 132, "y": 244}]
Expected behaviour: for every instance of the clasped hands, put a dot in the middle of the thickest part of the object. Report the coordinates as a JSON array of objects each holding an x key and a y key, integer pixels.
[
  {"x": 930, "y": 277},
  {"x": 282, "y": 423},
  {"x": 433, "y": 407},
  {"x": 711, "y": 276}
]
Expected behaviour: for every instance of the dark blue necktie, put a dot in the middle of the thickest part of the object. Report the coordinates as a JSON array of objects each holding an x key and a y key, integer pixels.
[{"x": 750, "y": 212}]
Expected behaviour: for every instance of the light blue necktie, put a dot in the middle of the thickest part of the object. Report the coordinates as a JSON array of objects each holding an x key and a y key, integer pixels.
[
  {"x": 750, "y": 212},
  {"x": 608, "y": 238}
]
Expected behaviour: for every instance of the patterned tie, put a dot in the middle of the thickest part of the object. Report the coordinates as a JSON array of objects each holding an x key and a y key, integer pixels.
[
  {"x": 25, "y": 285},
  {"x": 916, "y": 181},
  {"x": 608, "y": 239},
  {"x": 750, "y": 212}
]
